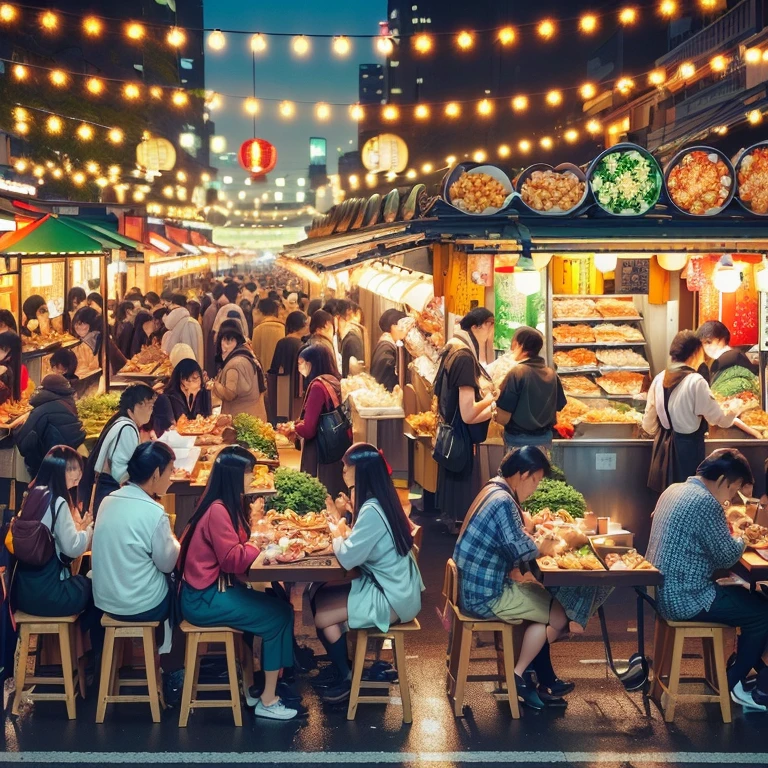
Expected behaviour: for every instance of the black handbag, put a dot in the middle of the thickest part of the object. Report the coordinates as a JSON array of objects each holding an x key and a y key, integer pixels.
[
  {"x": 334, "y": 430},
  {"x": 453, "y": 447}
]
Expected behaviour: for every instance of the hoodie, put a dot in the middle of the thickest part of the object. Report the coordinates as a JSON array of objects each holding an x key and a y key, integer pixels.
[{"x": 183, "y": 329}]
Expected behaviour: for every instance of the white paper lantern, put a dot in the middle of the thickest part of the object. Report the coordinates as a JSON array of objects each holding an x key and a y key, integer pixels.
[
  {"x": 605, "y": 262},
  {"x": 727, "y": 277},
  {"x": 672, "y": 262},
  {"x": 761, "y": 277},
  {"x": 527, "y": 282}
]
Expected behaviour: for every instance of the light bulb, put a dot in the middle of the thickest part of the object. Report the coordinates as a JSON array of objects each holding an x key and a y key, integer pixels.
[
  {"x": 258, "y": 43},
  {"x": 180, "y": 98},
  {"x": 527, "y": 282},
  {"x": 390, "y": 112},
  {"x": 213, "y": 101},
  {"x": 322, "y": 111},
  {"x": 507, "y": 35},
  {"x": 554, "y": 98},
  {"x": 300, "y": 45},
  {"x": 411, "y": 174},
  {"x": 627, "y": 16},
  {"x": 421, "y": 112},
  {"x": 78, "y": 178},
  {"x": 21, "y": 128},
  {"x": 588, "y": 91},
  {"x": 668, "y": 8},
  {"x": 571, "y": 135},
  {"x": 755, "y": 116},
  {"x": 546, "y": 29},
  {"x": 341, "y": 45},
  {"x": 115, "y": 135},
  {"x": 524, "y": 146},
  {"x": 95, "y": 85},
  {"x": 727, "y": 276},
  {"x": 484, "y": 107},
  {"x": 58, "y": 78},
  {"x": 20, "y": 72},
  {"x": 216, "y": 40},
  {"x": 85, "y": 132},
  {"x": 687, "y": 70},
  {"x": 287, "y": 109},
  {"x": 49, "y": 21},
  {"x": 593, "y": 127},
  {"x": 57, "y": 173},
  {"x": 752, "y": 55},
  {"x": 356, "y": 112},
  {"x": 54, "y": 124},
  {"x": 21, "y": 114},
  {"x": 452, "y": 109},
  {"x": 504, "y": 150},
  {"x": 546, "y": 142},
  {"x": 176, "y": 37},
  {"x": 588, "y": 23},
  {"x": 480, "y": 156},
  {"x": 422, "y": 43},
  {"x": 131, "y": 91},
  {"x": 605, "y": 262},
  {"x": 135, "y": 31},
  {"x": 625, "y": 85},
  {"x": 251, "y": 106},
  {"x": 384, "y": 45},
  {"x": 92, "y": 26},
  {"x": 101, "y": 182},
  {"x": 718, "y": 63},
  {"x": 92, "y": 167},
  {"x": 657, "y": 77},
  {"x": 465, "y": 40},
  {"x": 520, "y": 103},
  {"x": 156, "y": 92},
  {"x": 427, "y": 168},
  {"x": 450, "y": 160},
  {"x": 7, "y": 13},
  {"x": 20, "y": 166}
]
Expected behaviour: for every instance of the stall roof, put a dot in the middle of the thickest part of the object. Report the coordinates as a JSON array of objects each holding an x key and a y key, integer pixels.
[
  {"x": 164, "y": 246},
  {"x": 49, "y": 236},
  {"x": 108, "y": 238}
]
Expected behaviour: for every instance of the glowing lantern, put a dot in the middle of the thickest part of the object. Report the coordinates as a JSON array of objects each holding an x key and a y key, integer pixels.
[
  {"x": 385, "y": 152},
  {"x": 156, "y": 155},
  {"x": 258, "y": 156}
]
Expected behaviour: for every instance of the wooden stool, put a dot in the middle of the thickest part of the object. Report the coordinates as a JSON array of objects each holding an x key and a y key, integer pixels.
[
  {"x": 226, "y": 635},
  {"x": 72, "y": 667},
  {"x": 669, "y": 640},
  {"x": 460, "y": 648},
  {"x": 111, "y": 682},
  {"x": 396, "y": 634}
]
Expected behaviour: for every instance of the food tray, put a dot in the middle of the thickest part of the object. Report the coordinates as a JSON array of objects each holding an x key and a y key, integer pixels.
[
  {"x": 631, "y": 368},
  {"x": 380, "y": 413},
  {"x": 633, "y": 578},
  {"x": 411, "y": 434},
  {"x": 562, "y": 369},
  {"x": 560, "y": 170},
  {"x": 605, "y": 430},
  {"x": 601, "y": 319},
  {"x": 599, "y": 344}
]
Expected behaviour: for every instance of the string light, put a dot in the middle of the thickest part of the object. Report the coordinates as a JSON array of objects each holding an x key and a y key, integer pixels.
[
  {"x": 571, "y": 135},
  {"x": 217, "y": 41},
  {"x": 452, "y": 109},
  {"x": 20, "y": 72},
  {"x": 427, "y": 168},
  {"x": 300, "y": 45},
  {"x": 411, "y": 174},
  {"x": 465, "y": 40},
  {"x": 287, "y": 109},
  {"x": 520, "y": 103},
  {"x": 57, "y": 173},
  {"x": 180, "y": 99},
  {"x": 356, "y": 112},
  {"x": 507, "y": 35},
  {"x": 450, "y": 160},
  {"x": 323, "y": 111},
  {"x": 752, "y": 55},
  {"x": 131, "y": 91},
  {"x": 85, "y": 132},
  {"x": 484, "y": 107},
  {"x": 21, "y": 114},
  {"x": 524, "y": 146},
  {"x": 422, "y": 43},
  {"x": 49, "y": 21},
  {"x": 668, "y": 8},
  {"x": 156, "y": 92},
  {"x": 102, "y": 182},
  {"x": 504, "y": 150},
  {"x": 554, "y": 98},
  {"x": 657, "y": 77},
  {"x": 58, "y": 78},
  {"x": 7, "y": 13},
  {"x": 384, "y": 45},
  {"x": 53, "y": 124},
  {"x": 251, "y": 106},
  {"x": 78, "y": 178},
  {"x": 546, "y": 142},
  {"x": 421, "y": 112},
  {"x": 113, "y": 170},
  {"x": 588, "y": 91},
  {"x": 95, "y": 85},
  {"x": 390, "y": 113},
  {"x": 627, "y": 16},
  {"x": 258, "y": 43},
  {"x": 92, "y": 26},
  {"x": 546, "y": 29},
  {"x": 213, "y": 101},
  {"x": 135, "y": 31},
  {"x": 588, "y": 23},
  {"x": 593, "y": 127},
  {"x": 755, "y": 116},
  {"x": 687, "y": 70},
  {"x": 624, "y": 85},
  {"x": 22, "y": 128},
  {"x": 38, "y": 171},
  {"x": 341, "y": 45},
  {"x": 92, "y": 167},
  {"x": 176, "y": 37},
  {"x": 480, "y": 156},
  {"x": 20, "y": 166}
]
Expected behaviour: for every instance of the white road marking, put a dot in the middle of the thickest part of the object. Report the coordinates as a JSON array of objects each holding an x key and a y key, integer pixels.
[{"x": 365, "y": 758}]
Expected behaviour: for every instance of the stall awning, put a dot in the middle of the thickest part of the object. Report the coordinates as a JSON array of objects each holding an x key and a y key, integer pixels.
[
  {"x": 162, "y": 244},
  {"x": 50, "y": 236},
  {"x": 110, "y": 240}
]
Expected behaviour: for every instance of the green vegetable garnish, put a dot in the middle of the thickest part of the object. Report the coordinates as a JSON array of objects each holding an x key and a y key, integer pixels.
[
  {"x": 556, "y": 494},
  {"x": 255, "y": 434},
  {"x": 298, "y": 491},
  {"x": 735, "y": 380}
]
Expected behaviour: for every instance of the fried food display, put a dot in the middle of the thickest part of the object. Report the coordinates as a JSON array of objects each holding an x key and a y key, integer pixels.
[
  {"x": 700, "y": 183},
  {"x": 573, "y": 334},
  {"x": 621, "y": 382},
  {"x": 579, "y": 385},
  {"x": 616, "y": 308},
  {"x": 756, "y": 536},
  {"x": 574, "y": 308},
  {"x": 753, "y": 180},
  {"x": 476, "y": 192},
  {"x": 629, "y": 561},
  {"x": 551, "y": 192},
  {"x": 202, "y": 425},
  {"x": 621, "y": 358},
  {"x": 608, "y": 333},
  {"x": 575, "y": 358},
  {"x": 610, "y": 416},
  {"x": 424, "y": 424},
  {"x": 146, "y": 361}
]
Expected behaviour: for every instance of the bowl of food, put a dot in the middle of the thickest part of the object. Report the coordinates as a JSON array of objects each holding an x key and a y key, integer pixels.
[
  {"x": 752, "y": 179},
  {"x": 552, "y": 191},
  {"x": 478, "y": 190},
  {"x": 626, "y": 180},
  {"x": 700, "y": 181}
]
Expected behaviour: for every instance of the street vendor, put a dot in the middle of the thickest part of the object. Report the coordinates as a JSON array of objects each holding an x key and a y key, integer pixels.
[
  {"x": 384, "y": 360},
  {"x": 185, "y": 395},
  {"x": 716, "y": 340},
  {"x": 680, "y": 406},
  {"x": 36, "y": 317}
]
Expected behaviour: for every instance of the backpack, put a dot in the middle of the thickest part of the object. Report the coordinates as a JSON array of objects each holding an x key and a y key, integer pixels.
[{"x": 28, "y": 538}]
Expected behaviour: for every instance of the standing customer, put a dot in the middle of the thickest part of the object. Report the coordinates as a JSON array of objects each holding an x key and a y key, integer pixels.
[
  {"x": 182, "y": 328},
  {"x": 321, "y": 330},
  {"x": 241, "y": 383},
  {"x": 124, "y": 328},
  {"x": 531, "y": 394},
  {"x": 384, "y": 362},
  {"x": 352, "y": 343},
  {"x": 465, "y": 399},
  {"x": 267, "y": 333},
  {"x": 216, "y": 551},
  {"x": 379, "y": 543},
  {"x": 75, "y": 299},
  {"x": 690, "y": 541},
  {"x": 284, "y": 384},
  {"x": 209, "y": 317}
]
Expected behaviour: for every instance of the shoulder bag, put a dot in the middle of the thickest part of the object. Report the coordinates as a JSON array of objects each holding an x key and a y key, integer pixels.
[
  {"x": 453, "y": 445},
  {"x": 334, "y": 429}
]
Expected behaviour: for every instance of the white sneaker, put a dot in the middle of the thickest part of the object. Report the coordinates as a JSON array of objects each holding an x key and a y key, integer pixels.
[
  {"x": 277, "y": 711},
  {"x": 740, "y": 696}
]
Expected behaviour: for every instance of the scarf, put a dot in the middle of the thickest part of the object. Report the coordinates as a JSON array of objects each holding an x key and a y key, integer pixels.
[{"x": 673, "y": 376}]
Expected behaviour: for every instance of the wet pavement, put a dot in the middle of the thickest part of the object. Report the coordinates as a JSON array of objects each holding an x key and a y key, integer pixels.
[{"x": 603, "y": 723}]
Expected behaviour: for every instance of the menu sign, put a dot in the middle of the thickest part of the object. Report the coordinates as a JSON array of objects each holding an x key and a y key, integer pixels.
[{"x": 633, "y": 276}]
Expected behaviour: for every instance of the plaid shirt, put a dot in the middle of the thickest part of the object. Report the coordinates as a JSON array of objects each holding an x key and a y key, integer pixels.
[{"x": 493, "y": 543}]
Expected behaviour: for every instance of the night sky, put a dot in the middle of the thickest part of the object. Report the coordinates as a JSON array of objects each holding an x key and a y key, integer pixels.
[{"x": 320, "y": 76}]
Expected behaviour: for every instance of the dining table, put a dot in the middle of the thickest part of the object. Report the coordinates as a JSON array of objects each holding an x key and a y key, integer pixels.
[
  {"x": 752, "y": 567},
  {"x": 322, "y": 568}
]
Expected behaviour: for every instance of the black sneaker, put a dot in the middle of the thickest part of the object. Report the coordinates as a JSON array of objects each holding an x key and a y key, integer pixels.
[
  {"x": 529, "y": 696},
  {"x": 559, "y": 687},
  {"x": 551, "y": 702},
  {"x": 173, "y": 683},
  {"x": 338, "y": 694},
  {"x": 328, "y": 678}
]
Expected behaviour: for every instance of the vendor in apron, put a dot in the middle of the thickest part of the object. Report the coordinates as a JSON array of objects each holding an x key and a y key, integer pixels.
[{"x": 679, "y": 409}]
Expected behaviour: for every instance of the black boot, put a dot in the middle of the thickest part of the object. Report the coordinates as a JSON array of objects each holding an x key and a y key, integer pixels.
[
  {"x": 549, "y": 682},
  {"x": 337, "y": 652},
  {"x": 528, "y": 694}
]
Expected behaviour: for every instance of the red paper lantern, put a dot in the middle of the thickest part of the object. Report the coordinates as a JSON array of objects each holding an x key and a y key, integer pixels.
[{"x": 258, "y": 156}]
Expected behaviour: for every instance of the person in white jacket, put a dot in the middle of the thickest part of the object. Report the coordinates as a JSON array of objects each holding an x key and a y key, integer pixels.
[{"x": 182, "y": 328}]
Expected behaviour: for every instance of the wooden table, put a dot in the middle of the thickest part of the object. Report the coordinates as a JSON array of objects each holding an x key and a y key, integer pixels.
[
  {"x": 325, "y": 568},
  {"x": 752, "y": 567}
]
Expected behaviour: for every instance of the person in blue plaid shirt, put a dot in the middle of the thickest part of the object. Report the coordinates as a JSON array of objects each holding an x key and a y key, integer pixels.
[{"x": 494, "y": 542}]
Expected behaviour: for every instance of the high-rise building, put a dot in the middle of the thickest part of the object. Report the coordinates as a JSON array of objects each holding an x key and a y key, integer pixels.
[{"x": 373, "y": 86}]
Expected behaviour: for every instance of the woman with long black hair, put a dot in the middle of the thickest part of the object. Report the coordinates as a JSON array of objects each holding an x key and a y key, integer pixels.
[
  {"x": 185, "y": 395},
  {"x": 51, "y": 589},
  {"x": 75, "y": 299},
  {"x": 379, "y": 544},
  {"x": 215, "y": 548},
  {"x": 10, "y": 367},
  {"x": 143, "y": 328},
  {"x": 124, "y": 328}
]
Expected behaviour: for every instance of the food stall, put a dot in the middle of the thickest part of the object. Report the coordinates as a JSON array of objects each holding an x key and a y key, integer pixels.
[{"x": 609, "y": 264}]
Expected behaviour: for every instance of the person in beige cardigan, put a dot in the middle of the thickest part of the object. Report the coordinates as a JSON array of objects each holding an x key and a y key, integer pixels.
[
  {"x": 240, "y": 384},
  {"x": 267, "y": 333}
]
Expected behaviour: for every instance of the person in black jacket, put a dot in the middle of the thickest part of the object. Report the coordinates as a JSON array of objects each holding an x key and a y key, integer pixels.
[
  {"x": 185, "y": 395},
  {"x": 716, "y": 340},
  {"x": 384, "y": 362},
  {"x": 53, "y": 421}
]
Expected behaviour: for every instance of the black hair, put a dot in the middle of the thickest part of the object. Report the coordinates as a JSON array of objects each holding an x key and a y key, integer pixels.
[
  {"x": 225, "y": 485},
  {"x": 344, "y": 307},
  {"x": 140, "y": 338},
  {"x": 147, "y": 458},
  {"x": 389, "y": 318},
  {"x": 31, "y": 305},
  {"x": 160, "y": 313},
  {"x": 332, "y": 307},
  {"x": 314, "y": 306},
  {"x": 8, "y": 320},
  {"x": 230, "y": 330},
  {"x": 319, "y": 320},
  {"x": 528, "y": 459},
  {"x": 67, "y": 359},
  {"x": 151, "y": 298},
  {"x": 96, "y": 298},
  {"x": 321, "y": 359},
  {"x": 193, "y": 305},
  {"x": 728, "y": 463},
  {"x": 179, "y": 299},
  {"x": 90, "y": 317},
  {"x": 295, "y": 322},
  {"x": 134, "y": 295},
  {"x": 373, "y": 482},
  {"x": 474, "y": 318},
  {"x": 268, "y": 307},
  {"x": 230, "y": 291},
  {"x": 133, "y": 395},
  {"x": 205, "y": 302},
  {"x": 684, "y": 346},
  {"x": 166, "y": 295},
  {"x": 11, "y": 342},
  {"x": 185, "y": 369},
  {"x": 251, "y": 286},
  {"x": 123, "y": 308},
  {"x": 53, "y": 472},
  {"x": 529, "y": 340},
  {"x": 217, "y": 291},
  {"x": 274, "y": 295},
  {"x": 714, "y": 330},
  {"x": 76, "y": 294}
]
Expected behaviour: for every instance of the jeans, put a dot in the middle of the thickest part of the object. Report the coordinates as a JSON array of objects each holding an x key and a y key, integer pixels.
[{"x": 737, "y": 607}]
